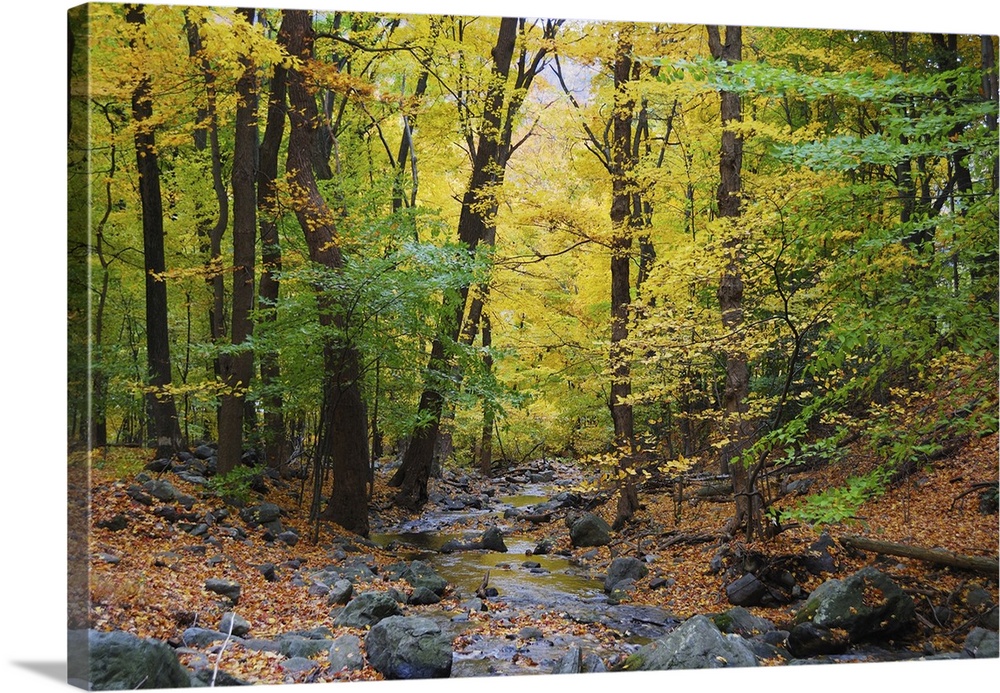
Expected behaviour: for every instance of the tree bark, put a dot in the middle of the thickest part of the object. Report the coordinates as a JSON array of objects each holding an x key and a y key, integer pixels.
[
  {"x": 343, "y": 434},
  {"x": 275, "y": 438},
  {"x": 622, "y": 190},
  {"x": 237, "y": 367},
  {"x": 749, "y": 511},
  {"x": 159, "y": 400}
]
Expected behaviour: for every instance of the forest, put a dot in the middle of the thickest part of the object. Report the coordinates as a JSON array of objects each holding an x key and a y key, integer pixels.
[{"x": 713, "y": 288}]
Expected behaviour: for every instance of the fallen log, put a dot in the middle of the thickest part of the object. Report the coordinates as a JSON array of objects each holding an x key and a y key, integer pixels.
[{"x": 979, "y": 564}]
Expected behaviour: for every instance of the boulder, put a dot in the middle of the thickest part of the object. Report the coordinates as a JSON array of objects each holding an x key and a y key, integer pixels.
[
  {"x": 345, "y": 653},
  {"x": 865, "y": 604},
  {"x": 293, "y": 645},
  {"x": 695, "y": 644},
  {"x": 367, "y": 609},
  {"x": 492, "y": 540},
  {"x": 340, "y": 592},
  {"x": 123, "y": 661},
  {"x": 409, "y": 647},
  {"x": 161, "y": 490},
  {"x": 263, "y": 514},
  {"x": 624, "y": 568},
  {"x": 589, "y": 529},
  {"x": 422, "y": 596},
  {"x": 203, "y": 637},
  {"x": 420, "y": 574}
]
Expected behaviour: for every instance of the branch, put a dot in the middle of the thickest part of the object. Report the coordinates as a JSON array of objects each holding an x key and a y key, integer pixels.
[{"x": 979, "y": 564}]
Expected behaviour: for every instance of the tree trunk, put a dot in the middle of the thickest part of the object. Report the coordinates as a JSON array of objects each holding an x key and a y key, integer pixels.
[
  {"x": 478, "y": 210},
  {"x": 622, "y": 190},
  {"x": 275, "y": 438},
  {"x": 980, "y": 564},
  {"x": 159, "y": 400},
  {"x": 237, "y": 367},
  {"x": 344, "y": 435},
  {"x": 749, "y": 513}
]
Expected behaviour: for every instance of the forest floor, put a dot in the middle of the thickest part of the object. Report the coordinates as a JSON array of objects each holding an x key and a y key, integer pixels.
[{"x": 155, "y": 587}]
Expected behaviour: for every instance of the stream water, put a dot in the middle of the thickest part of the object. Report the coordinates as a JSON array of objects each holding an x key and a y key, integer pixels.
[{"x": 533, "y": 584}]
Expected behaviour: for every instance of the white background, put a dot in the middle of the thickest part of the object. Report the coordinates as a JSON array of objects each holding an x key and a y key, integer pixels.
[{"x": 32, "y": 344}]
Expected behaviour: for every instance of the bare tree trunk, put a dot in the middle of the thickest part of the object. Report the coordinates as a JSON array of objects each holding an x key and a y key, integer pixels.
[
  {"x": 343, "y": 434},
  {"x": 237, "y": 368},
  {"x": 749, "y": 514},
  {"x": 276, "y": 449},
  {"x": 622, "y": 189},
  {"x": 159, "y": 400}
]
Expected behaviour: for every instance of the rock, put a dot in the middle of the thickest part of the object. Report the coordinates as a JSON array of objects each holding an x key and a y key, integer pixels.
[
  {"x": 204, "y": 452},
  {"x": 340, "y": 592},
  {"x": 158, "y": 466},
  {"x": 865, "y": 604},
  {"x": 661, "y": 582},
  {"x": 741, "y": 622},
  {"x": 570, "y": 663},
  {"x": 695, "y": 644},
  {"x": 367, "y": 609},
  {"x": 123, "y": 661},
  {"x": 161, "y": 490},
  {"x": 297, "y": 666},
  {"x": 239, "y": 625},
  {"x": 345, "y": 653},
  {"x": 747, "y": 590},
  {"x": 203, "y": 637},
  {"x": 592, "y": 664},
  {"x": 530, "y": 633},
  {"x": 492, "y": 540},
  {"x": 138, "y": 495},
  {"x": 268, "y": 570},
  {"x": 288, "y": 537},
  {"x": 227, "y": 588},
  {"x": 624, "y": 568},
  {"x": 423, "y": 596},
  {"x": 292, "y": 645},
  {"x": 263, "y": 514},
  {"x": 409, "y": 647},
  {"x": 115, "y": 524},
  {"x": 981, "y": 644},
  {"x": 420, "y": 574},
  {"x": 590, "y": 530},
  {"x": 811, "y": 640},
  {"x": 542, "y": 548}
]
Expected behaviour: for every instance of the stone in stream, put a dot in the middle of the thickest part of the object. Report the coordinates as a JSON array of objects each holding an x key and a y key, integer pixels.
[
  {"x": 409, "y": 647},
  {"x": 492, "y": 540}
]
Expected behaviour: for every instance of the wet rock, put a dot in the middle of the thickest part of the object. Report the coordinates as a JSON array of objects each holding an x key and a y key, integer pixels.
[
  {"x": 589, "y": 530},
  {"x": 420, "y": 574},
  {"x": 492, "y": 540},
  {"x": 624, "y": 568},
  {"x": 695, "y": 644},
  {"x": 865, "y": 604},
  {"x": 367, "y": 609},
  {"x": 401, "y": 647},
  {"x": 542, "y": 548},
  {"x": 123, "y": 661},
  {"x": 345, "y": 653}
]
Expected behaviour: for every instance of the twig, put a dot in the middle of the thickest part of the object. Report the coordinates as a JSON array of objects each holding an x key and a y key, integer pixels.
[{"x": 218, "y": 657}]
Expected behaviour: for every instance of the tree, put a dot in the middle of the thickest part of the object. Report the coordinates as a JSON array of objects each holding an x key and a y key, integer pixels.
[
  {"x": 236, "y": 365},
  {"x": 343, "y": 437},
  {"x": 159, "y": 399},
  {"x": 749, "y": 515}
]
